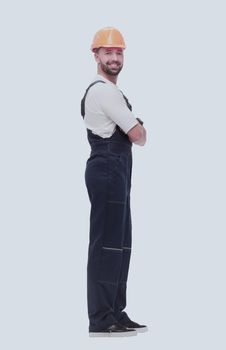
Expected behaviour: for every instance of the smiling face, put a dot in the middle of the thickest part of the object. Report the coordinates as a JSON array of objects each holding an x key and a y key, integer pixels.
[{"x": 110, "y": 60}]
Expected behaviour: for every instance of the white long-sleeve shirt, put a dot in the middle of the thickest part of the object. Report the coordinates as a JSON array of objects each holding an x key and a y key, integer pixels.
[{"x": 105, "y": 107}]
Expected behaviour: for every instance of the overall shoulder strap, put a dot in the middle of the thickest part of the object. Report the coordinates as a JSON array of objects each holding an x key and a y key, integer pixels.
[
  {"x": 84, "y": 97},
  {"x": 127, "y": 101}
]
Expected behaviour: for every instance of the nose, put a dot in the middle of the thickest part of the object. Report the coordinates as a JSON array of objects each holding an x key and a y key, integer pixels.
[{"x": 115, "y": 56}]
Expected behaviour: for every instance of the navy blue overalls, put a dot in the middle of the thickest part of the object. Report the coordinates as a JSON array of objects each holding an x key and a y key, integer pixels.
[{"x": 108, "y": 182}]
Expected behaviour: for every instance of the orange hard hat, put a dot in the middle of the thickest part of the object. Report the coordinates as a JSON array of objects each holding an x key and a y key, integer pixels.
[{"x": 108, "y": 37}]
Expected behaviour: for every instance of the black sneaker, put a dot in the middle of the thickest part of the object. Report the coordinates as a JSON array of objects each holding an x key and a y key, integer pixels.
[
  {"x": 116, "y": 330},
  {"x": 133, "y": 325}
]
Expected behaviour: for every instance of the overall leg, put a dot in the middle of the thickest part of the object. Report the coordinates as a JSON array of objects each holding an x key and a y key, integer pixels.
[
  {"x": 105, "y": 187},
  {"x": 99, "y": 308}
]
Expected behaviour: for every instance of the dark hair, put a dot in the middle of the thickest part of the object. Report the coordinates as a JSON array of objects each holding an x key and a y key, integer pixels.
[{"x": 96, "y": 50}]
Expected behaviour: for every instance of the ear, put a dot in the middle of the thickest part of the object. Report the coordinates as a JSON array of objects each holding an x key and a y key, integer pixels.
[{"x": 96, "y": 56}]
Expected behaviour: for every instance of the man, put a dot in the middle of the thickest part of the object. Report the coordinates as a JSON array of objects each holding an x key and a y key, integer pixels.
[{"x": 111, "y": 130}]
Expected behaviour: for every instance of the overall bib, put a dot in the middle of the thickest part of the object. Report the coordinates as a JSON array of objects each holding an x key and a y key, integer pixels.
[{"x": 108, "y": 181}]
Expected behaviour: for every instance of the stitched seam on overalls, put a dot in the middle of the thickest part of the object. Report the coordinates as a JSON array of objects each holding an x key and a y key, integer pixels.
[{"x": 109, "y": 248}]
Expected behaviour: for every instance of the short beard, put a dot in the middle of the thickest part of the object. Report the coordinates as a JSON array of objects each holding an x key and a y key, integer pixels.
[{"x": 105, "y": 68}]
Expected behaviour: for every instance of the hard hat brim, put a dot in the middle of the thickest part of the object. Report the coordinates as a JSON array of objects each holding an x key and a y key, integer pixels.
[{"x": 115, "y": 46}]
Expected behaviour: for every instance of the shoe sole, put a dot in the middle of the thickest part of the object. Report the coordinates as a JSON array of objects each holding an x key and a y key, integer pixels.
[
  {"x": 141, "y": 330},
  {"x": 113, "y": 334}
]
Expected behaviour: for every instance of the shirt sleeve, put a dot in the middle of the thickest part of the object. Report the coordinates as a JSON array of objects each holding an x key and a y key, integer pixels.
[{"x": 113, "y": 104}]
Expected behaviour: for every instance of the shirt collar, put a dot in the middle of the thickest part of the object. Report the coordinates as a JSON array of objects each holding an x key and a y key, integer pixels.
[{"x": 100, "y": 77}]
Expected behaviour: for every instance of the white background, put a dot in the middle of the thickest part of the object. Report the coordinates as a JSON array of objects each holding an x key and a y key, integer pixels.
[{"x": 174, "y": 76}]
